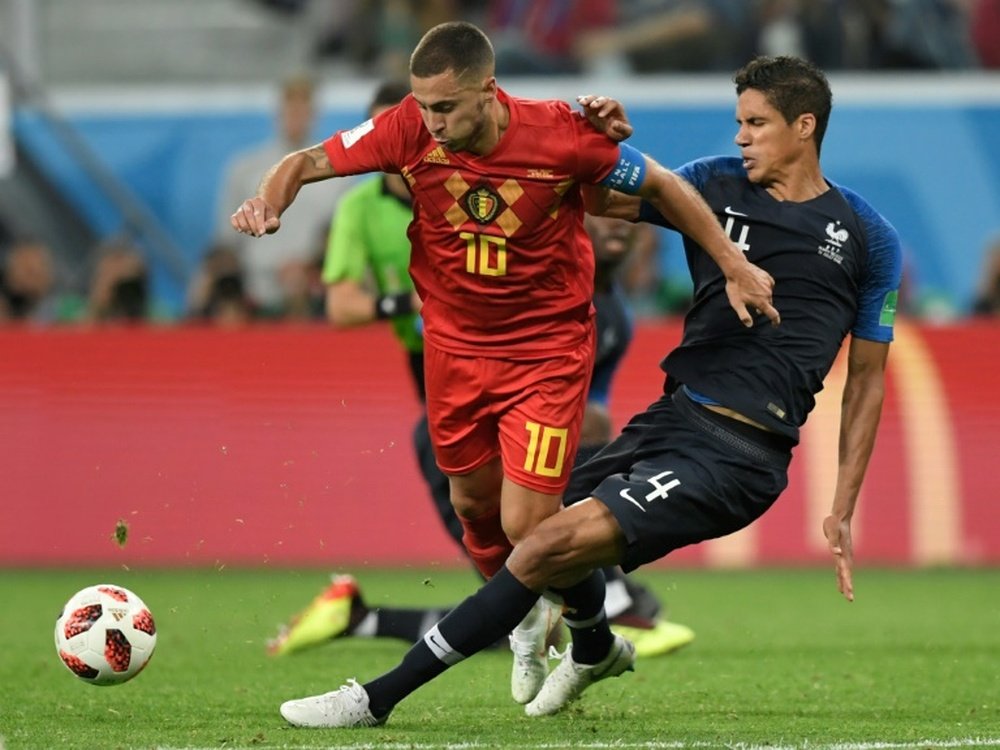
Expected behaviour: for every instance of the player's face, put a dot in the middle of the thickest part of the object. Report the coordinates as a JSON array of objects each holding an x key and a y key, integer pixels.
[
  {"x": 455, "y": 111},
  {"x": 611, "y": 238},
  {"x": 770, "y": 147},
  {"x": 297, "y": 118}
]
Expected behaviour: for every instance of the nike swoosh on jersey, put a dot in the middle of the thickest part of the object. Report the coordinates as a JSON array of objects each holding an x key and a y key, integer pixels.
[{"x": 729, "y": 210}]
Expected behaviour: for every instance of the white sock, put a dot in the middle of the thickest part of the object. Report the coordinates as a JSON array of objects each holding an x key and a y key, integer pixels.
[
  {"x": 368, "y": 627},
  {"x": 616, "y": 599}
]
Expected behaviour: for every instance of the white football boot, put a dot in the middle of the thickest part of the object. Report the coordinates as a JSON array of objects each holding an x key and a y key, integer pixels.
[
  {"x": 528, "y": 641},
  {"x": 569, "y": 679},
  {"x": 345, "y": 707}
]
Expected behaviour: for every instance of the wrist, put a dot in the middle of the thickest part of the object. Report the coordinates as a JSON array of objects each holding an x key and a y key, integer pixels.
[
  {"x": 731, "y": 261},
  {"x": 393, "y": 305}
]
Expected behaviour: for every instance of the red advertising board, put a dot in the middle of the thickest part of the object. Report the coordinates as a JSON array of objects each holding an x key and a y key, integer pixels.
[{"x": 291, "y": 445}]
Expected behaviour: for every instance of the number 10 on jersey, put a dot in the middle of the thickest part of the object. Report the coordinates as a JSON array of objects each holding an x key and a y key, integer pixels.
[{"x": 485, "y": 254}]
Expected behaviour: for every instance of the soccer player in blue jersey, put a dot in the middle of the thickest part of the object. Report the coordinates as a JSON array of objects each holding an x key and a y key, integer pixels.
[{"x": 711, "y": 454}]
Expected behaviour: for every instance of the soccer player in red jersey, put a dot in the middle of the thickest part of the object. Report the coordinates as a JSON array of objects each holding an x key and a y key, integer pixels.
[{"x": 505, "y": 270}]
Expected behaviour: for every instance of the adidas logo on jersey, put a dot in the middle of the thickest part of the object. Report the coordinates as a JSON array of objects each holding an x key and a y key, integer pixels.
[{"x": 437, "y": 156}]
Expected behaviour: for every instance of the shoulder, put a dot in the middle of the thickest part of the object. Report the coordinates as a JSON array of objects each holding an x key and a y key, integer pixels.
[
  {"x": 879, "y": 230},
  {"x": 700, "y": 172},
  {"x": 401, "y": 122},
  {"x": 539, "y": 112},
  {"x": 407, "y": 110}
]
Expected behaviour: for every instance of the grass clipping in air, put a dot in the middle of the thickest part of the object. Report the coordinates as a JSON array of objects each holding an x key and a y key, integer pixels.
[{"x": 120, "y": 536}]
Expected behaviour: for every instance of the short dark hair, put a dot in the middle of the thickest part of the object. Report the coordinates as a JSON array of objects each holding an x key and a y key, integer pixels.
[
  {"x": 388, "y": 94},
  {"x": 793, "y": 86},
  {"x": 457, "y": 46}
]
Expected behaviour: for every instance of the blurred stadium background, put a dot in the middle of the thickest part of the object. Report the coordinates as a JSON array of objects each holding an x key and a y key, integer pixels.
[{"x": 286, "y": 442}]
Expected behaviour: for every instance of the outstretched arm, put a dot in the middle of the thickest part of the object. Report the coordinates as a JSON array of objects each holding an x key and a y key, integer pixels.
[
  {"x": 861, "y": 409},
  {"x": 349, "y": 304},
  {"x": 747, "y": 286},
  {"x": 261, "y": 214}
]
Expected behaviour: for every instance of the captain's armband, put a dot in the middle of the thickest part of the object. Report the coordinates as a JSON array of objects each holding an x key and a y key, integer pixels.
[{"x": 629, "y": 172}]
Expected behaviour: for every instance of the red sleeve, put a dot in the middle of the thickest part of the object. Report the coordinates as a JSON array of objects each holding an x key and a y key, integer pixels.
[
  {"x": 376, "y": 145},
  {"x": 596, "y": 154}
]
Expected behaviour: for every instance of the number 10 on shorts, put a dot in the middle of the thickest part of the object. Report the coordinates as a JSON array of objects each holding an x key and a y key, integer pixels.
[{"x": 545, "y": 444}]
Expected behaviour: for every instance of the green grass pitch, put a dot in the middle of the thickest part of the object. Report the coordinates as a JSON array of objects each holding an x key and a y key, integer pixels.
[{"x": 780, "y": 661}]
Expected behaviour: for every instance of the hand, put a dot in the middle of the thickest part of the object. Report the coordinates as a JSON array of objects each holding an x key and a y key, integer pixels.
[
  {"x": 606, "y": 115},
  {"x": 255, "y": 217},
  {"x": 416, "y": 302},
  {"x": 751, "y": 286},
  {"x": 838, "y": 536}
]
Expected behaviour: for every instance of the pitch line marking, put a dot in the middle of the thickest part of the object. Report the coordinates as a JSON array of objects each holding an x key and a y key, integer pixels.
[{"x": 968, "y": 742}]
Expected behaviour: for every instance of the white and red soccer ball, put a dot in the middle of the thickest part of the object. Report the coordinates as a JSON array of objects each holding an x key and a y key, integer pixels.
[{"x": 105, "y": 634}]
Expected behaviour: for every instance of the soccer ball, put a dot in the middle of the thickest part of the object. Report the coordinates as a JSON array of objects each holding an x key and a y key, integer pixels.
[{"x": 105, "y": 634}]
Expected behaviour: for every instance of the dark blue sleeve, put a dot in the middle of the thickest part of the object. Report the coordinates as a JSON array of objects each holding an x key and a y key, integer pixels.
[{"x": 879, "y": 290}]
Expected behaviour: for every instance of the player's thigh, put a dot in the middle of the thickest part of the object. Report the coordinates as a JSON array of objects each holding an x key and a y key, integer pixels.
[
  {"x": 540, "y": 425},
  {"x": 568, "y": 545},
  {"x": 460, "y": 420},
  {"x": 618, "y": 456},
  {"x": 689, "y": 488}
]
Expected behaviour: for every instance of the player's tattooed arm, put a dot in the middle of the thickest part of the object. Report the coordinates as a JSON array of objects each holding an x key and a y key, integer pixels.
[
  {"x": 262, "y": 214},
  {"x": 320, "y": 163}
]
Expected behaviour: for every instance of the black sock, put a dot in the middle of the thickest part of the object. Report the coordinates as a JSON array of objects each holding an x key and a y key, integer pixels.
[
  {"x": 406, "y": 624},
  {"x": 473, "y": 625},
  {"x": 584, "y": 615}
]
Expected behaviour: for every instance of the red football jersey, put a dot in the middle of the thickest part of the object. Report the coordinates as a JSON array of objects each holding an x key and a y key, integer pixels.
[{"x": 499, "y": 253}]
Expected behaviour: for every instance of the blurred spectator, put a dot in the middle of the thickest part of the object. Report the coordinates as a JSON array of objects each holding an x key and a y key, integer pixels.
[
  {"x": 302, "y": 285},
  {"x": 217, "y": 293},
  {"x": 542, "y": 37},
  {"x": 652, "y": 290},
  {"x": 119, "y": 286},
  {"x": 987, "y": 301},
  {"x": 654, "y": 36},
  {"x": 344, "y": 30},
  {"x": 266, "y": 260},
  {"x": 400, "y": 24},
  {"x": 780, "y": 28},
  {"x": 27, "y": 283},
  {"x": 374, "y": 35},
  {"x": 813, "y": 29},
  {"x": 926, "y": 34},
  {"x": 985, "y": 25}
]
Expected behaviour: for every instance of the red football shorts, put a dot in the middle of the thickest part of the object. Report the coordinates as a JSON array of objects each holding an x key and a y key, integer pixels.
[{"x": 526, "y": 411}]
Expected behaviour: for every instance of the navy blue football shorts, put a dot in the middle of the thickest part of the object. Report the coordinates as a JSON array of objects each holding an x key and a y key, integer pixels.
[{"x": 680, "y": 474}]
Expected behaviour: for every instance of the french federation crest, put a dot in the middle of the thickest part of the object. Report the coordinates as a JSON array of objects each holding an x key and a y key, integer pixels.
[{"x": 482, "y": 204}]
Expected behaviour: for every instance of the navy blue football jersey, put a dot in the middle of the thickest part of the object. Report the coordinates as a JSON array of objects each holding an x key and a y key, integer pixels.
[{"x": 837, "y": 265}]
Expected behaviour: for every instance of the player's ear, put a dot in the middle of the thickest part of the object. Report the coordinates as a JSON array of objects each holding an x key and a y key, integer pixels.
[
  {"x": 806, "y": 125},
  {"x": 490, "y": 88}
]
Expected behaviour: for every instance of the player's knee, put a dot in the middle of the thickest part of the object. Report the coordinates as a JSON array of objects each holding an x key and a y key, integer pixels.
[{"x": 477, "y": 493}]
